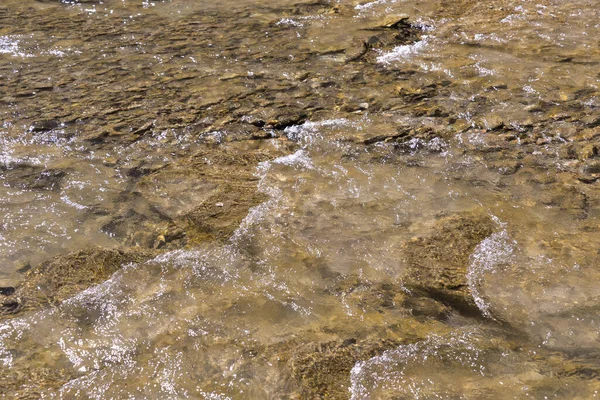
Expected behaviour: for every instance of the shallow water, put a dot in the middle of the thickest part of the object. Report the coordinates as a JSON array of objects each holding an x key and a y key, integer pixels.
[{"x": 338, "y": 206}]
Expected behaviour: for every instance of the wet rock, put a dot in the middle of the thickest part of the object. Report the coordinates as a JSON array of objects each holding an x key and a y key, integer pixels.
[
  {"x": 462, "y": 125},
  {"x": 156, "y": 235},
  {"x": 394, "y": 21},
  {"x": 415, "y": 94},
  {"x": 140, "y": 170},
  {"x": 592, "y": 121},
  {"x": 286, "y": 120},
  {"x": 492, "y": 123},
  {"x": 174, "y": 233},
  {"x": 142, "y": 238},
  {"x": 159, "y": 242},
  {"x": 239, "y": 131},
  {"x": 565, "y": 197},
  {"x": 505, "y": 167},
  {"x": 166, "y": 203},
  {"x": 569, "y": 151},
  {"x": 18, "y": 383},
  {"x": 144, "y": 128},
  {"x": 9, "y": 306},
  {"x": 44, "y": 125},
  {"x": 591, "y": 168},
  {"x": 437, "y": 264},
  {"x": 71, "y": 1},
  {"x": 313, "y": 7},
  {"x": 400, "y": 135},
  {"x": 253, "y": 120},
  {"x": 24, "y": 268},
  {"x": 34, "y": 177},
  {"x": 7, "y": 290},
  {"x": 357, "y": 51},
  {"x": 588, "y": 178},
  {"x": 587, "y": 151},
  {"x": 423, "y": 306}
]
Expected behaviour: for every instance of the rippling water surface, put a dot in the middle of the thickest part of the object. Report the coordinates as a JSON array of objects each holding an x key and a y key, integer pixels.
[{"x": 392, "y": 199}]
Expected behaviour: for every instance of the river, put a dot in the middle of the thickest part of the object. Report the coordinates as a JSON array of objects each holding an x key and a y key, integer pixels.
[{"x": 389, "y": 199}]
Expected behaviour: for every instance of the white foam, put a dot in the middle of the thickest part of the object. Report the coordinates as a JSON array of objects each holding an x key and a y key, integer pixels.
[
  {"x": 6, "y": 357},
  {"x": 291, "y": 22},
  {"x": 309, "y": 131},
  {"x": 10, "y": 45},
  {"x": 299, "y": 159},
  {"x": 492, "y": 253},
  {"x": 403, "y": 52},
  {"x": 369, "y": 5},
  {"x": 71, "y": 203},
  {"x": 391, "y": 371}
]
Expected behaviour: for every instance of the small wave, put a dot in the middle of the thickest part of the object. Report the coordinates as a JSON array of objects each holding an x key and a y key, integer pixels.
[
  {"x": 371, "y": 4},
  {"x": 298, "y": 159},
  {"x": 393, "y": 371},
  {"x": 403, "y": 52},
  {"x": 290, "y": 22},
  {"x": 10, "y": 45},
  {"x": 309, "y": 132},
  {"x": 493, "y": 252}
]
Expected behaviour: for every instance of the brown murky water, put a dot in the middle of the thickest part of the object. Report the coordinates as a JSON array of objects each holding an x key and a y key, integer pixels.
[{"x": 299, "y": 199}]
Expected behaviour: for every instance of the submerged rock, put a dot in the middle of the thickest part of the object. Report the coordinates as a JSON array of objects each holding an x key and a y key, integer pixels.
[
  {"x": 322, "y": 370},
  {"x": 437, "y": 264},
  {"x": 64, "y": 276},
  {"x": 31, "y": 177},
  {"x": 469, "y": 363},
  {"x": 314, "y": 368}
]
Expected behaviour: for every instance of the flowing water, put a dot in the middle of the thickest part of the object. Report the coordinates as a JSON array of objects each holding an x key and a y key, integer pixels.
[{"x": 392, "y": 199}]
